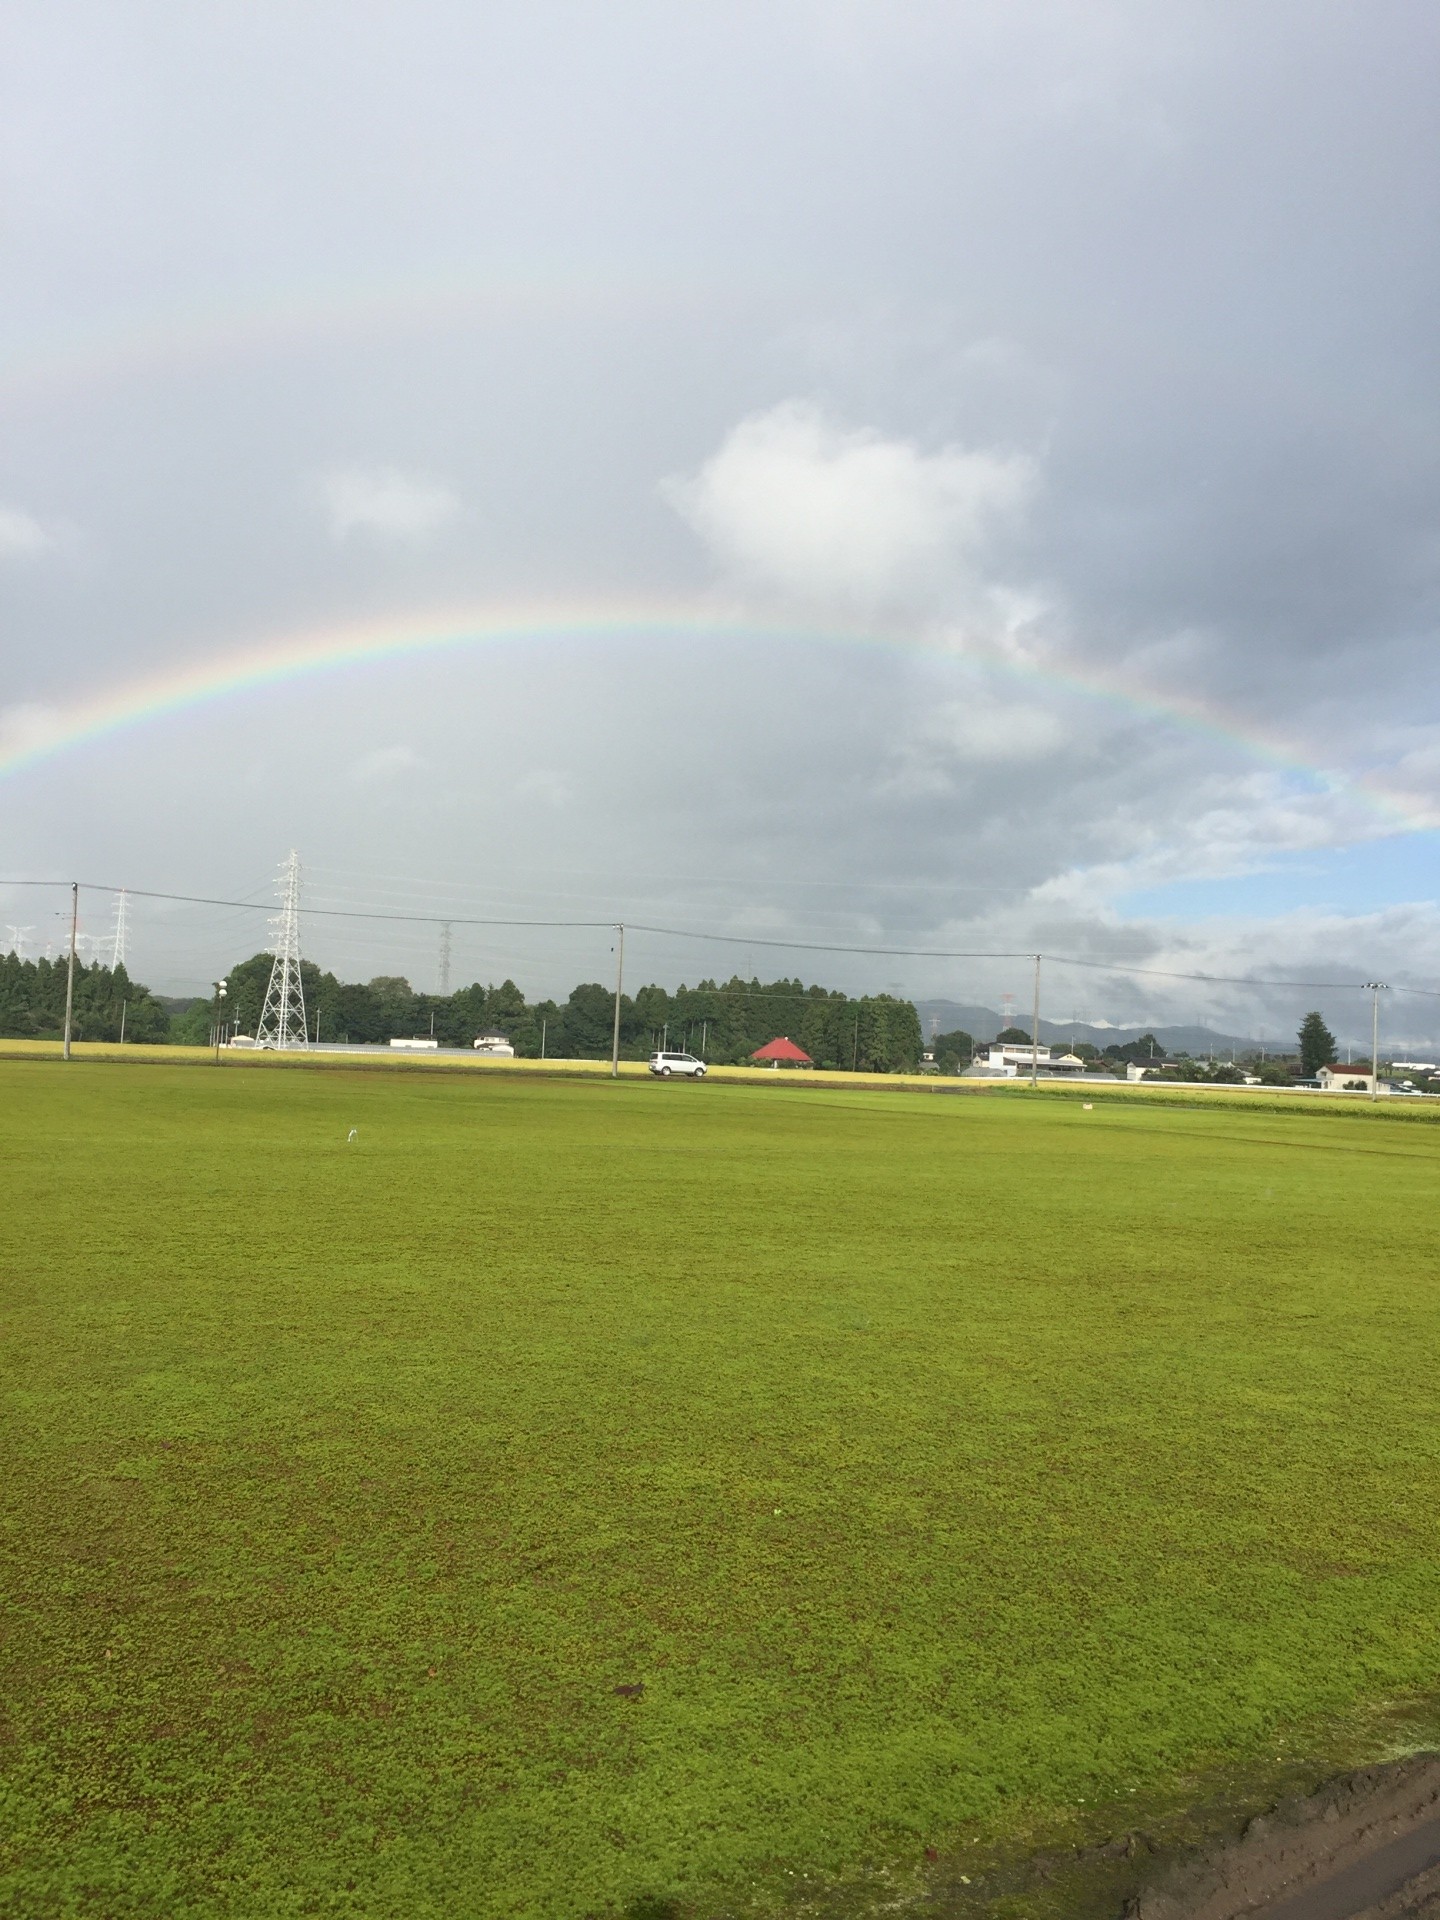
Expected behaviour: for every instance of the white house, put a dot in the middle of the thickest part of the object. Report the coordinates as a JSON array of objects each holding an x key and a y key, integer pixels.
[
  {"x": 494, "y": 1046},
  {"x": 1338, "y": 1079},
  {"x": 1013, "y": 1055},
  {"x": 1013, "y": 1059}
]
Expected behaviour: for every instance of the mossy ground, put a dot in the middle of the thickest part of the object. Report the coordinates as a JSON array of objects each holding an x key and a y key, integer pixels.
[{"x": 944, "y": 1471}]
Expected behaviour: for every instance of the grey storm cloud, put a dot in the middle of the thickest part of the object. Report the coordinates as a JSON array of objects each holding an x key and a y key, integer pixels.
[{"x": 975, "y": 386}]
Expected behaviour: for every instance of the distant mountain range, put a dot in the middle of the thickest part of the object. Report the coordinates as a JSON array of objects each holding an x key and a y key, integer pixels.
[{"x": 983, "y": 1023}]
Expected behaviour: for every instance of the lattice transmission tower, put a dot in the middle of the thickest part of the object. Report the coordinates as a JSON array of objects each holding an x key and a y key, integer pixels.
[
  {"x": 117, "y": 954},
  {"x": 282, "y": 1019}
]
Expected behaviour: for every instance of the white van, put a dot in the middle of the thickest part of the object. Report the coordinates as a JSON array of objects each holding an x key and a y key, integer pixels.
[{"x": 664, "y": 1064}]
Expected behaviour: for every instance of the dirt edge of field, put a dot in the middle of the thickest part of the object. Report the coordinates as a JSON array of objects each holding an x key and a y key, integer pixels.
[
  {"x": 1334, "y": 1851},
  {"x": 1363, "y": 1846}
]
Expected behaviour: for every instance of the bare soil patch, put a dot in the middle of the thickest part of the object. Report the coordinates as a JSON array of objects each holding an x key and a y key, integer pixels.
[
  {"x": 1363, "y": 1846},
  {"x": 1366, "y": 1844}
]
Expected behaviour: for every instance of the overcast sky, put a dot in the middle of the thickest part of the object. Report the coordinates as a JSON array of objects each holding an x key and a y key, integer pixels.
[{"x": 1026, "y": 414}]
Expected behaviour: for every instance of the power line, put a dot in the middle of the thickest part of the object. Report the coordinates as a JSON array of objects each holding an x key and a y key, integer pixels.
[
  {"x": 1026, "y": 953},
  {"x": 1121, "y": 967},
  {"x": 1215, "y": 979},
  {"x": 313, "y": 913}
]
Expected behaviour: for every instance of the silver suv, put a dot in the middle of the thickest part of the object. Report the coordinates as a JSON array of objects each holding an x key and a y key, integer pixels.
[{"x": 664, "y": 1064}]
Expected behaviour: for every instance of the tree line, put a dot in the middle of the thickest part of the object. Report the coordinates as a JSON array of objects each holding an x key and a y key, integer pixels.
[
  {"x": 32, "y": 1002},
  {"x": 727, "y": 1020}
]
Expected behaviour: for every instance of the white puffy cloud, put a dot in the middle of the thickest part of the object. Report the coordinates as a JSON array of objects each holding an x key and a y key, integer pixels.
[
  {"x": 386, "y": 504},
  {"x": 994, "y": 730},
  {"x": 953, "y": 738},
  {"x": 385, "y": 763},
  {"x": 22, "y": 537},
  {"x": 1407, "y": 763},
  {"x": 1222, "y": 826},
  {"x": 794, "y": 502}
]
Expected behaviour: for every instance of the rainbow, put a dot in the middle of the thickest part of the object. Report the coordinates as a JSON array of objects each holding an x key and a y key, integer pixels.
[
  {"x": 231, "y": 325},
  {"x": 39, "y": 735}
]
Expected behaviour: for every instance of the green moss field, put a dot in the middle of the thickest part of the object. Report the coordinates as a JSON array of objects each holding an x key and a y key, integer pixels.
[{"x": 572, "y": 1499}]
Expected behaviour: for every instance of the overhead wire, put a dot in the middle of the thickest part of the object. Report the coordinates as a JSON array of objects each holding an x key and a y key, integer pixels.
[{"x": 772, "y": 943}]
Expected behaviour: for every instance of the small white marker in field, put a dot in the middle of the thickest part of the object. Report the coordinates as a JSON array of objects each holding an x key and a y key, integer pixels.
[
  {"x": 1089, "y": 1106},
  {"x": 353, "y": 1135}
]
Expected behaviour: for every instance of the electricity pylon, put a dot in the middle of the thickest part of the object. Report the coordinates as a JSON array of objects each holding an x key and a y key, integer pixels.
[
  {"x": 17, "y": 940},
  {"x": 117, "y": 956},
  {"x": 282, "y": 1019}
]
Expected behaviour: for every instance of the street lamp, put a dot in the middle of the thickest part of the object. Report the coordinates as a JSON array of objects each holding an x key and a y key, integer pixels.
[{"x": 222, "y": 987}]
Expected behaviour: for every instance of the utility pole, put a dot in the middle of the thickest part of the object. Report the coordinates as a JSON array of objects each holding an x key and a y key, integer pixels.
[
  {"x": 543, "y": 1020},
  {"x": 222, "y": 987},
  {"x": 1377, "y": 987},
  {"x": 619, "y": 983},
  {"x": 1035, "y": 1030},
  {"x": 445, "y": 941},
  {"x": 70, "y": 970}
]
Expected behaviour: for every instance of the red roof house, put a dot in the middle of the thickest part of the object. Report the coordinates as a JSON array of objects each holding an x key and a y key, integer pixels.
[{"x": 775, "y": 1051}]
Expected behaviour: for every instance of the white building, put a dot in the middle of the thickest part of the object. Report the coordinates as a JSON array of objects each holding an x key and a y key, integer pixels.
[
  {"x": 1338, "y": 1079},
  {"x": 494, "y": 1046},
  {"x": 416, "y": 1046},
  {"x": 1013, "y": 1059},
  {"x": 1012, "y": 1056}
]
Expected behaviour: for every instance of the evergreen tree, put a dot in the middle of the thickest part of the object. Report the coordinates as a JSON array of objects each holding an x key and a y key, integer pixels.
[
  {"x": 32, "y": 1002},
  {"x": 1146, "y": 1048},
  {"x": 1317, "y": 1045}
]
